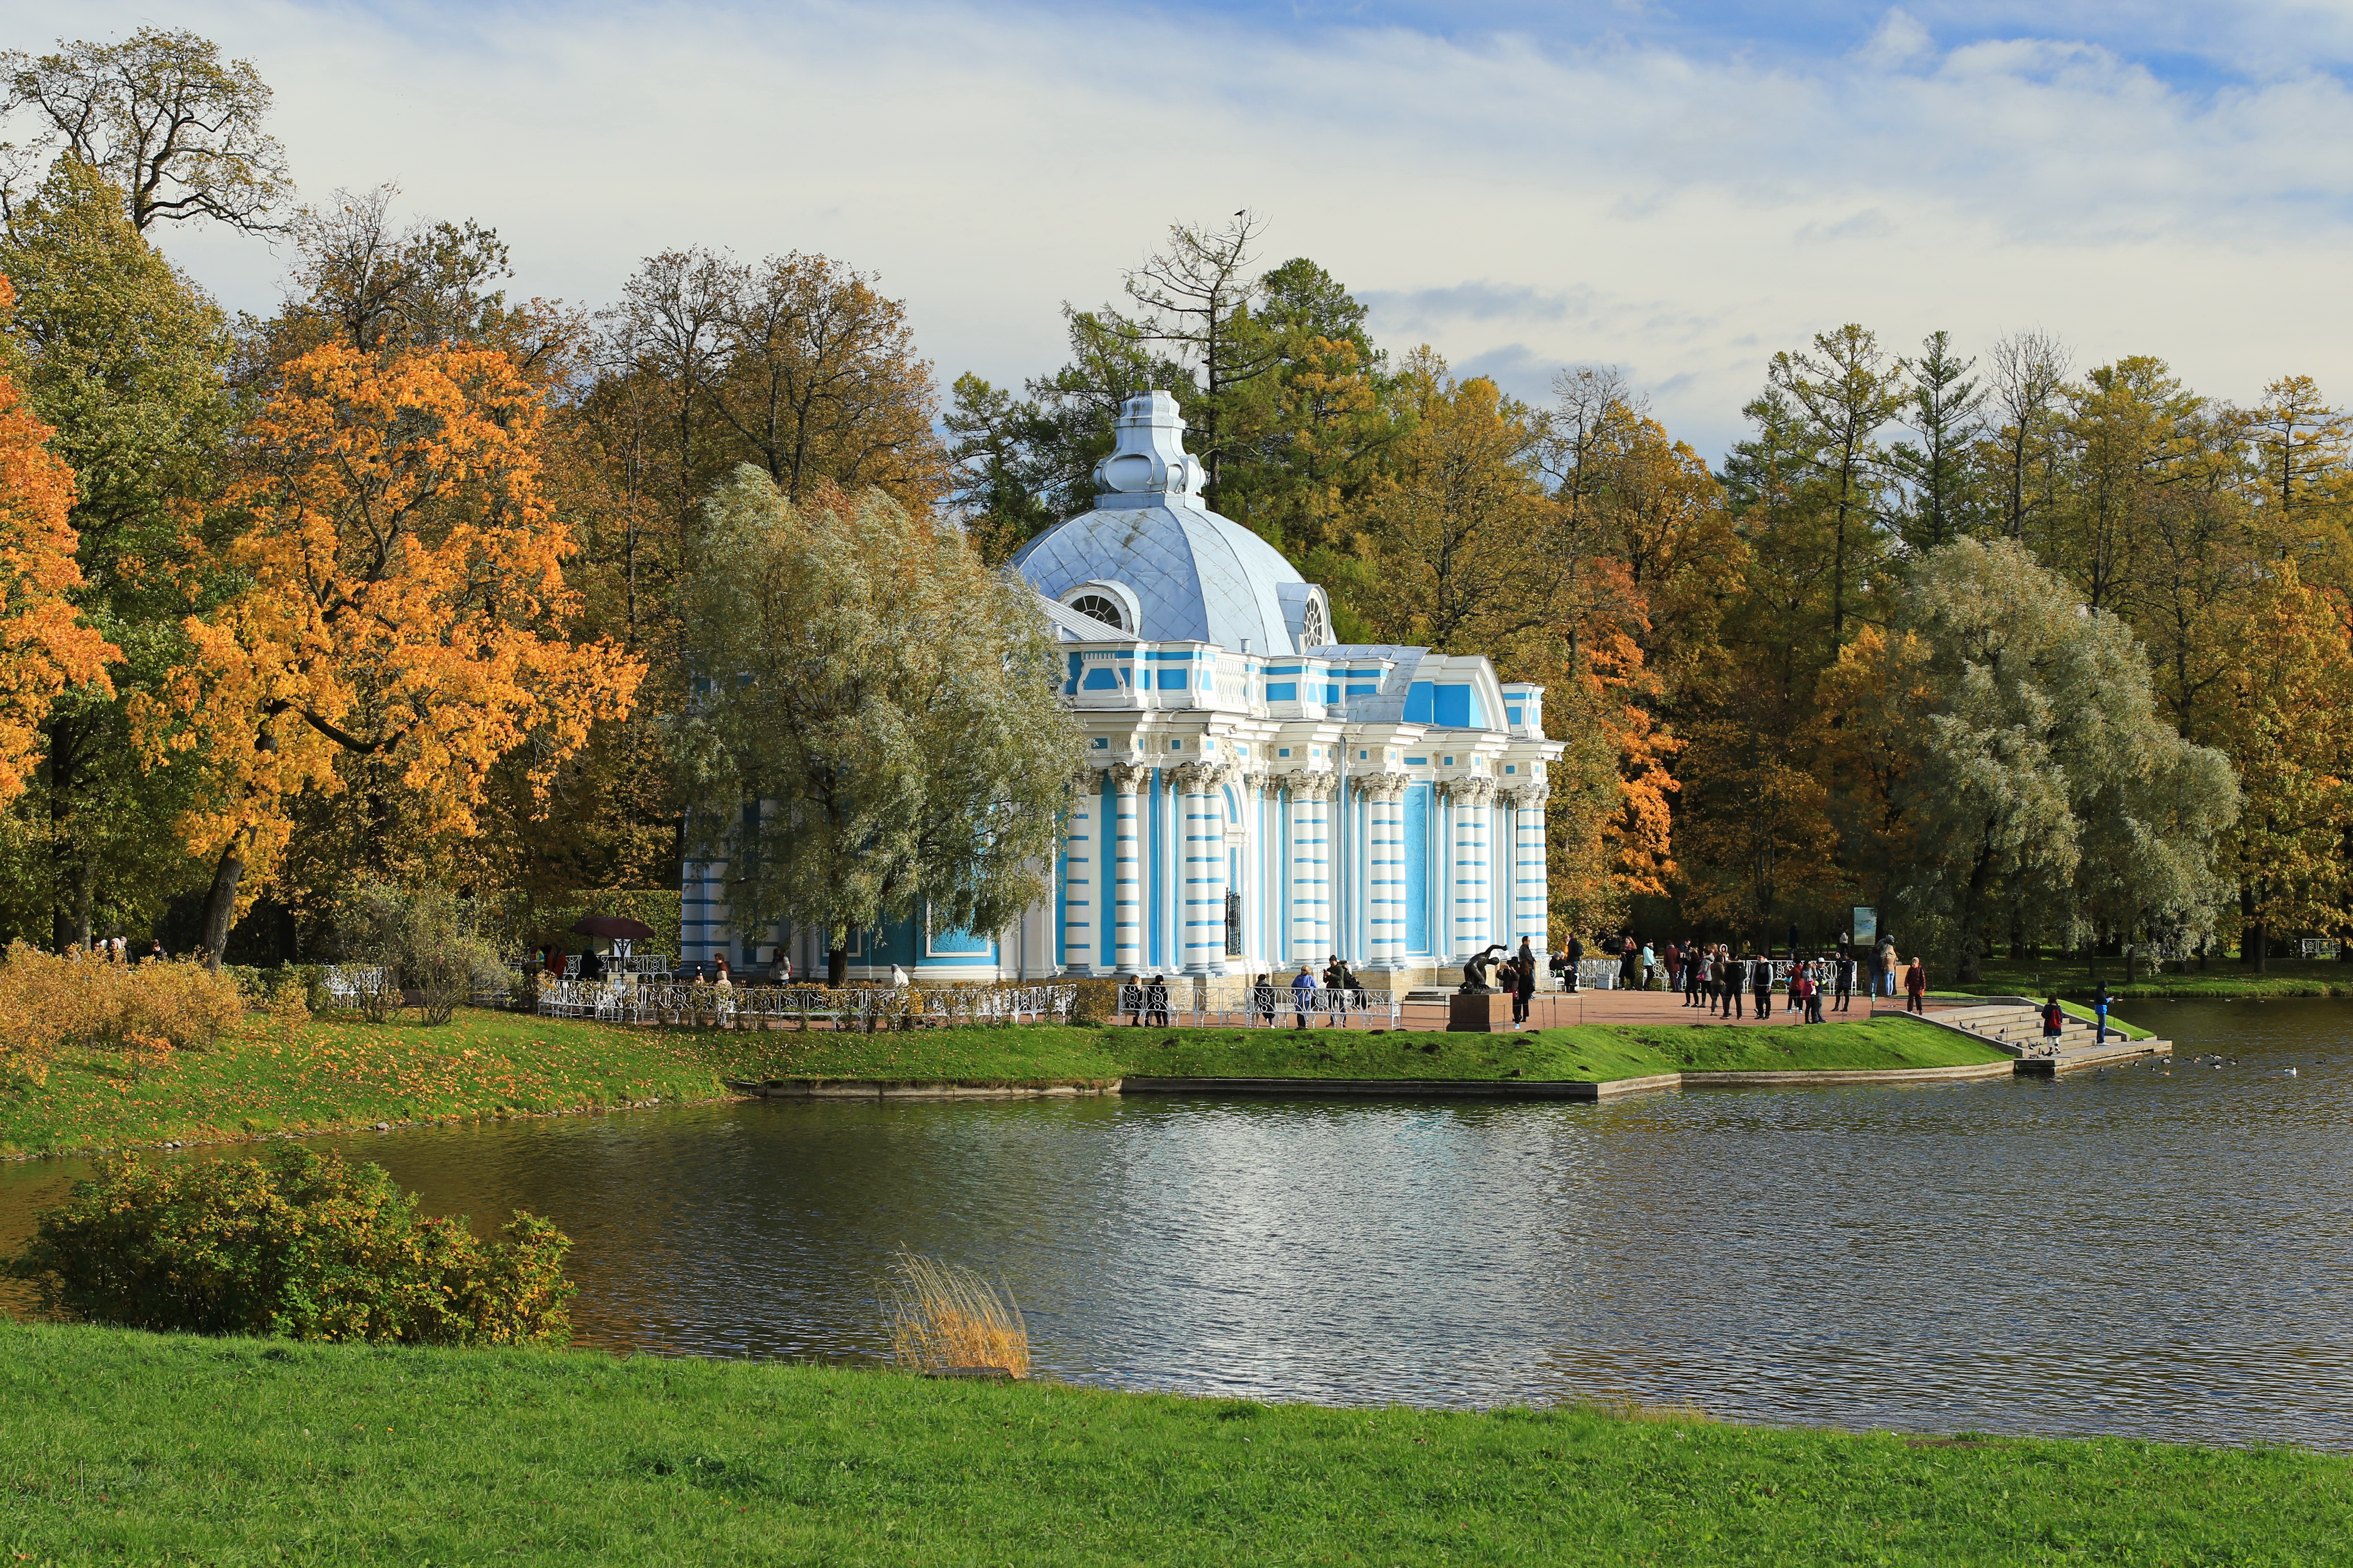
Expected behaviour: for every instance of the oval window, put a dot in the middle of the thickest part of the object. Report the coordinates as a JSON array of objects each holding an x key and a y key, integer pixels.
[{"x": 1101, "y": 608}]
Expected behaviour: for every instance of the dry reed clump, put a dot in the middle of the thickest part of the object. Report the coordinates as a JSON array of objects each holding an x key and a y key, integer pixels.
[
  {"x": 945, "y": 1315},
  {"x": 51, "y": 1003}
]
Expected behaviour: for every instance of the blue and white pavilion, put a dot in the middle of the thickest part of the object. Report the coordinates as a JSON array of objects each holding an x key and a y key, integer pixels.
[{"x": 1259, "y": 795}]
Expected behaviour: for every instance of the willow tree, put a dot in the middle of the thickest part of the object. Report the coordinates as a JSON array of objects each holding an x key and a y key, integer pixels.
[
  {"x": 2037, "y": 772},
  {"x": 875, "y": 723}
]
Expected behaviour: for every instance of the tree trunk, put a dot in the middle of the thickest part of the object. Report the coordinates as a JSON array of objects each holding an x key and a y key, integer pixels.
[
  {"x": 2247, "y": 923},
  {"x": 220, "y": 901},
  {"x": 68, "y": 869},
  {"x": 837, "y": 966},
  {"x": 2261, "y": 935}
]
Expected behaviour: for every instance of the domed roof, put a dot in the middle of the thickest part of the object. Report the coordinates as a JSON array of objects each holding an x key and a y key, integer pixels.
[{"x": 1195, "y": 576}]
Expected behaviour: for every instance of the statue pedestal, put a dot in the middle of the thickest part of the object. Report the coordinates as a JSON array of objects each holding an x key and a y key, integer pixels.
[{"x": 1479, "y": 1014}]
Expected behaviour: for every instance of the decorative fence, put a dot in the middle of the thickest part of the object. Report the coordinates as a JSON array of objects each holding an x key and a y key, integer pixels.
[
  {"x": 1259, "y": 1007},
  {"x": 656, "y": 964},
  {"x": 775, "y": 1006},
  {"x": 2317, "y": 947},
  {"x": 349, "y": 985},
  {"x": 1604, "y": 973}
]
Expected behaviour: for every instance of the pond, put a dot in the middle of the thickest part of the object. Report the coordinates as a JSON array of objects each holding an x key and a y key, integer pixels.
[{"x": 2162, "y": 1253}]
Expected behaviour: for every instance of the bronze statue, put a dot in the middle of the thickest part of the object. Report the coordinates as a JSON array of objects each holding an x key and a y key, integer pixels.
[{"x": 1475, "y": 969}]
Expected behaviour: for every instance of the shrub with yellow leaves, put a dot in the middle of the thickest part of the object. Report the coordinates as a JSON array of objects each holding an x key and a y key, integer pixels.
[{"x": 51, "y": 1003}]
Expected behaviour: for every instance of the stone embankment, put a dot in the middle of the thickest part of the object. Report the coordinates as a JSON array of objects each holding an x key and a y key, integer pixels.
[{"x": 2014, "y": 1025}]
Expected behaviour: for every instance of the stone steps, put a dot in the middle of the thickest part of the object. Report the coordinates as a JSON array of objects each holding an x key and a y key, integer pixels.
[{"x": 2017, "y": 1027}]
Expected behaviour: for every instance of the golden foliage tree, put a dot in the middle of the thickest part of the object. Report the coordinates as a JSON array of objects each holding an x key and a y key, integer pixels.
[
  {"x": 2289, "y": 735},
  {"x": 405, "y": 626},
  {"x": 45, "y": 646}
]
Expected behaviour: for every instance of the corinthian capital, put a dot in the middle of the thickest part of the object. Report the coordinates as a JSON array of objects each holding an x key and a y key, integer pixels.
[
  {"x": 1467, "y": 790},
  {"x": 1386, "y": 788},
  {"x": 1527, "y": 797},
  {"x": 1128, "y": 778},
  {"x": 1303, "y": 784},
  {"x": 1195, "y": 778}
]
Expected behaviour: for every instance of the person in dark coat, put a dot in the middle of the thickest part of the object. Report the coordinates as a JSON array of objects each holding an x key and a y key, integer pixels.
[
  {"x": 1760, "y": 985},
  {"x": 1575, "y": 957},
  {"x": 1523, "y": 986}
]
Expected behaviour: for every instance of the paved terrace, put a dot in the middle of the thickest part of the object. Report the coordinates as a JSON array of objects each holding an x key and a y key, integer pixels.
[{"x": 1559, "y": 1009}]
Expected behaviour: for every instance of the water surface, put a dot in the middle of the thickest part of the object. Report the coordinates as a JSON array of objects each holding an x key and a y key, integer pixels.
[{"x": 2164, "y": 1254}]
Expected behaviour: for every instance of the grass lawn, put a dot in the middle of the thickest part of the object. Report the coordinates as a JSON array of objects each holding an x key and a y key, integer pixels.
[
  {"x": 126, "y": 1448},
  {"x": 1587, "y": 1052},
  {"x": 328, "y": 1074},
  {"x": 2225, "y": 978}
]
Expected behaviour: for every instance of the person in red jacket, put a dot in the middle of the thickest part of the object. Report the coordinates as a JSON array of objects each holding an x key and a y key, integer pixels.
[{"x": 1915, "y": 988}]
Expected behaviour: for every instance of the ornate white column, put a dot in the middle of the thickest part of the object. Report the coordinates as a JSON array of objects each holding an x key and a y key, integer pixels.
[
  {"x": 1201, "y": 870},
  {"x": 1311, "y": 865},
  {"x": 1528, "y": 891},
  {"x": 1385, "y": 880},
  {"x": 1470, "y": 896},
  {"x": 1128, "y": 882},
  {"x": 1083, "y": 869}
]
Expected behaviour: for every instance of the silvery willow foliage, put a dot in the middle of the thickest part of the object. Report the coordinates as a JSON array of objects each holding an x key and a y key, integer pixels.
[
  {"x": 876, "y": 721},
  {"x": 2043, "y": 776}
]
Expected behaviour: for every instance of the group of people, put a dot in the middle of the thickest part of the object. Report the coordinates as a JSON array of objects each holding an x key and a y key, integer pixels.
[
  {"x": 116, "y": 950},
  {"x": 1711, "y": 976}
]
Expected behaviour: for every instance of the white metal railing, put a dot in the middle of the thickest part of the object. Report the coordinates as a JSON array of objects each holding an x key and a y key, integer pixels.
[
  {"x": 347, "y": 983},
  {"x": 2317, "y": 947},
  {"x": 652, "y": 963},
  {"x": 629, "y": 1001},
  {"x": 1259, "y": 1007},
  {"x": 1606, "y": 975}
]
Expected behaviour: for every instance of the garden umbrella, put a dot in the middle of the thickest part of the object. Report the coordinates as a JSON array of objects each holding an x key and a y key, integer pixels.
[{"x": 613, "y": 925}]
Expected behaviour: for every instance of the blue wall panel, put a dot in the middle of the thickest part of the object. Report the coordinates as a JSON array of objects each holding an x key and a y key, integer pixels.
[{"x": 1417, "y": 868}]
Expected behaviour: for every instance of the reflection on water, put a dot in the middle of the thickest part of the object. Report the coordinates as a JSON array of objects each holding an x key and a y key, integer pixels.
[{"x": 2133, "y": 1252}]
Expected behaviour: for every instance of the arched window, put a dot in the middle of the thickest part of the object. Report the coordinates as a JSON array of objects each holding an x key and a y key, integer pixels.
[
  {"x": 1311, "y": 632},
  {"x": 1101, "y": 608}
]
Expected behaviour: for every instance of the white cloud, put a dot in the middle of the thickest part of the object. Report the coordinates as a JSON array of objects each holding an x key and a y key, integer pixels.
[
  {"x": 1518, "y": 204},
  {"x": 1897, "y": 41}
]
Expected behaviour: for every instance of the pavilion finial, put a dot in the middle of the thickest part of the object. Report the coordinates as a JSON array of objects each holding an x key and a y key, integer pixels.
[{"x": 1148, "y": 465}]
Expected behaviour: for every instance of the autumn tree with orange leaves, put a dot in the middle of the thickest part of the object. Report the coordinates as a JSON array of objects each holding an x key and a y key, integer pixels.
[
  {"x": 44, "y": 644},
  {"x": 406, "y": 622}
]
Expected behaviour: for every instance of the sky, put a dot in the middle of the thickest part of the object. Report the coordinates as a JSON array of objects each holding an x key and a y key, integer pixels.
[{"x": 1677, "y": 191}]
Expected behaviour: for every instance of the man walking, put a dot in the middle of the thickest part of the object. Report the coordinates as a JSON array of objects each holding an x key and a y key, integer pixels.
[
  {"x": 1845, "y": 978},
  {"x": 1523, "y": 986},
  {"x": 1575, "y": 956},
  {"x": 1760, "y": 982},
  {"x": 1915, "y": 984}
]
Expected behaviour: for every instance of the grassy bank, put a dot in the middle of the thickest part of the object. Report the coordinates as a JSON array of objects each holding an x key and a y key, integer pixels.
[
  {"x": 2224, "y": 980},
  {"x": 123, "y": 1447},
  {"x": 324, "y": 1075},
  {"x": 1587, "y": 1052},
  {"x": 327, "y": 1076}
]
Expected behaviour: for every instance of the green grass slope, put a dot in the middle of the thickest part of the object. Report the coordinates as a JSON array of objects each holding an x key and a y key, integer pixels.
[
  {"x": 1587, "y": 1052},
  {"x": 132, "y": 1448},
  {"x": 327, "y": 1075}
]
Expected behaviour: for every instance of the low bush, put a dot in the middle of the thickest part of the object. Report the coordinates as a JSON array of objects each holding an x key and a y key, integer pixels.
[
  {"x": 50, "y": 1002},
  {"x": 422, "y": 939},
  {"x": 296, "y": 1246}
]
